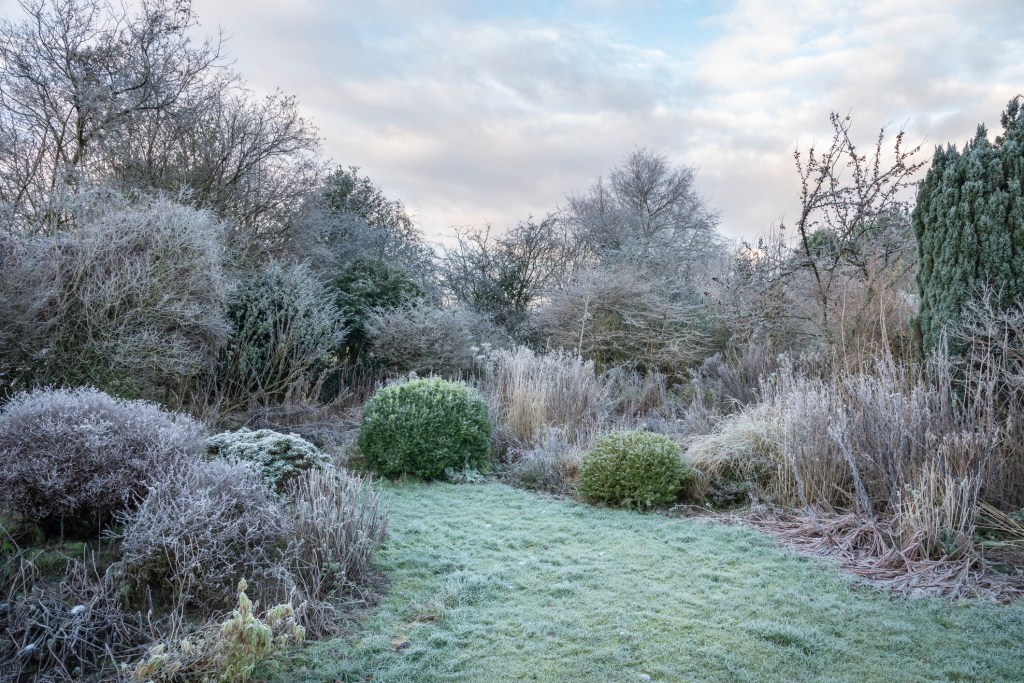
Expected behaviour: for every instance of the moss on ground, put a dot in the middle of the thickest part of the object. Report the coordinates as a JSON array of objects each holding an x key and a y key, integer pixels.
[{"x": 490, "y": 583}]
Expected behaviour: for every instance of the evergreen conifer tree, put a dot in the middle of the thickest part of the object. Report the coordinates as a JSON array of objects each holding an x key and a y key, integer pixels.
[{"x": 969, "y": 225}]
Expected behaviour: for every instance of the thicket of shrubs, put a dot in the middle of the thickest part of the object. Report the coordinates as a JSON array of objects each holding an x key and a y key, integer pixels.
[{"x": 180, "y": 527}]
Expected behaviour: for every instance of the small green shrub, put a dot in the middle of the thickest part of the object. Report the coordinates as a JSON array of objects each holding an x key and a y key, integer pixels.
[
  {"x": 633, "y": 469},
  {"x": 422, "y": 426},
  {"x": 280, "y": 458}
]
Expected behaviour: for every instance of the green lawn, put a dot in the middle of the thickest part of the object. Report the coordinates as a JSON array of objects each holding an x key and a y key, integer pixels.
[{"x": 489, "y": 583}]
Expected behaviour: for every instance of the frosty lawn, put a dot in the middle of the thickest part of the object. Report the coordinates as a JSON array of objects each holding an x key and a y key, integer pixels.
[{"x": 490, "y": 583}]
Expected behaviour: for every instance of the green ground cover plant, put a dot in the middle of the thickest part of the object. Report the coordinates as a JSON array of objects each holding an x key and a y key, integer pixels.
[{"x": 490, "y": 583}]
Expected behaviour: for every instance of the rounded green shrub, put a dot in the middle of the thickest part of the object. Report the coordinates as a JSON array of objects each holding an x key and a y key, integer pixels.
[
  {"x": 633, "y": 469},
  {"x": 279, "y": 458},
  {"x": 423, "y": 426}
]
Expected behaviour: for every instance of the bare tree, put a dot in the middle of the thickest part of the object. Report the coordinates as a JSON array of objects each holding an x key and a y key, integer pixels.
[
  {"x": 842, "y": 274},
  {"x": 94, "y": 91},
  {"x": 850, "y": 221},
  {"x": 503, "y": 276},
  {"x": 648, "y": 210}
]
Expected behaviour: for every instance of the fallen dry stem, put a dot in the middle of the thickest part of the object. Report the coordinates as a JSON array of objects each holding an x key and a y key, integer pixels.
[{"x": 867, "y": 550}]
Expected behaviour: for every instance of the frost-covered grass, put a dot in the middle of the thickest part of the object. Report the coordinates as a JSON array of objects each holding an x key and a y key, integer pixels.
[{"x": 490, "y": 583}]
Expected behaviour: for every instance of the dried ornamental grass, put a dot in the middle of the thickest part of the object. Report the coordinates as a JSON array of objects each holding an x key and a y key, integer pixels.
[{"x": 338, "y": 522}]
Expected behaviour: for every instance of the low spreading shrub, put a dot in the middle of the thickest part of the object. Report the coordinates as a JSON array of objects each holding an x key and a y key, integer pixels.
[
  {"x": 633, "y": 469},
  {"x": 423, "y": 426},
  {"x": 201, "y": 528},
  {"x": 278, "y": 457},
  {"x": 72, "y": 459}
]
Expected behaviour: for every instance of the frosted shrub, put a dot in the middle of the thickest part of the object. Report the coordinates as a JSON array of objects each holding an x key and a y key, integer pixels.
[
  {"x": 424, "y": 426},
  {"x": 72, "y": 459},
  {"x": 283, "y": 323},
  {"x": 622, "y": 317},
  {"x": 128, "y": 297},
  {"x": 203, "y": 526},
  {"x": 68, "y": 630},
  {"x": 633, "y": 469},
  {"x": 552, "y": 465},
  {"x": 425, "y": 339},
  {"x": 278, "y": 457}
]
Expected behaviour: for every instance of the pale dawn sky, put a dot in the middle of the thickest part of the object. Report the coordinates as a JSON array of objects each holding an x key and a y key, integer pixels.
[{"x": 492, "y": 111}]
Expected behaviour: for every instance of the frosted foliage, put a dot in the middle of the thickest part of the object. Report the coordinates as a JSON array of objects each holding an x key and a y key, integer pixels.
[
  {"x": 129, "y": 298},
  {"x": 203, "y": 526},
  {"x": 75, "y": 457},
  {"x": 278, "y": 457}
]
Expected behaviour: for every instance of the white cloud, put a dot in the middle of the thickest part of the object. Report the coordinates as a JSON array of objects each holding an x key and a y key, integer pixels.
[
  {"x": 469, "y": 117},
  {"x": 780, "y": 68}
]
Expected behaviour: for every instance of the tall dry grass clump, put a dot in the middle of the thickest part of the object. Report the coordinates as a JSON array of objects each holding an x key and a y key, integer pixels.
[
  {"x": 530, "y": 393},
  {"x": 781, "y": 447},
  {"x": 891, "y": 462},
  {"x": 338, "y": 522}
]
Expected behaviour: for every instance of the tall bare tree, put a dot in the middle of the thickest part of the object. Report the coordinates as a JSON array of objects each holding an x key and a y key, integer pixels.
[
  {"x": 503, "y": 276},
  {"x": 842, "y": 274},
  {"x": 93, "y": 91},
  {"x": 647, "y": 211}
]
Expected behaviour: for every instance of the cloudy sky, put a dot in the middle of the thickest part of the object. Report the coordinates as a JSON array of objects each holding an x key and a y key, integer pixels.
[{"x": 492, "y": 111}]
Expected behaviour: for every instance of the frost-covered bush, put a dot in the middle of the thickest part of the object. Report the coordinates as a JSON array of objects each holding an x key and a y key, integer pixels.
[
  {"x": 425, "y": 339},
  {"x": 278, "y": 457},
  {"x": 71, "y": 459},
  {"x": 633, "y": 469},
  {"x": 552, "y": 465},
  {"x": 202, "y": 527},
  {"x": 422, "y": 426},
  {"x": 283, "y": 323},
  {"x": 68, "y": 630},
  {"x": 127, "y": 296},
  {"x": 622, "y": 317}
]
